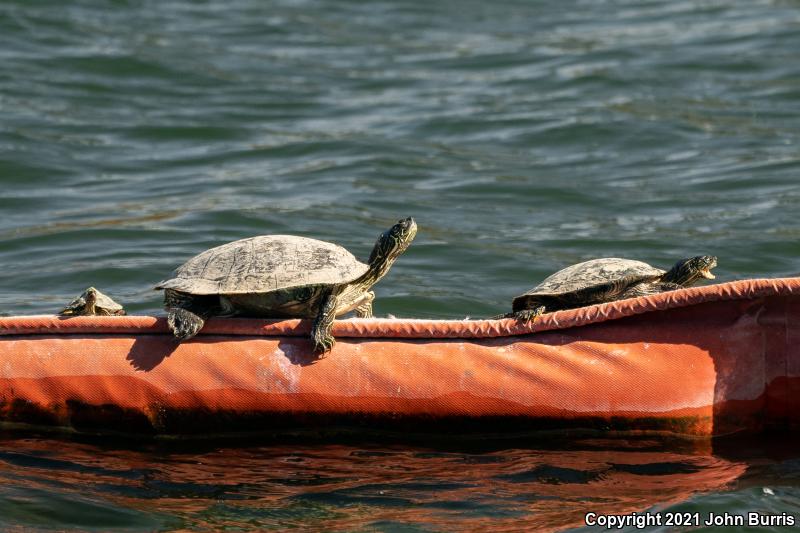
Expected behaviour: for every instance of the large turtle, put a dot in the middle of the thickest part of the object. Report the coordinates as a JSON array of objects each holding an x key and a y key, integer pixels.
[
  {"x": 280, "y": 276},
  {"x": 92, "y": 302},
  {"x": 605, "y": 280}
]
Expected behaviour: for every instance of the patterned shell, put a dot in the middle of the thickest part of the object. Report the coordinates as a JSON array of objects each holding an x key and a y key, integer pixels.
[
  {"x": 106, "y": 302},
  {"x": 263, "y": 264},
  {"x": 593, "y": 273}
]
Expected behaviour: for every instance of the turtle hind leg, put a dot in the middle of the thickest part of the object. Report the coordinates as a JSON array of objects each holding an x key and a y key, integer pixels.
[
  {"x": 187, "y": 313},
  {"x": 183, "y": 323}
]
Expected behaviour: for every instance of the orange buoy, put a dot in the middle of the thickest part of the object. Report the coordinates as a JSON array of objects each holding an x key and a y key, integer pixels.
[{"x": 701, "y": 361}]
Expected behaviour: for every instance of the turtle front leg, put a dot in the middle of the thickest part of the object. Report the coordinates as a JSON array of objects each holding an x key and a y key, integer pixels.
[
  {"x": 646, "y": 289},
  {"x": 526, "y": 316},
  {"x": 523, "y": 315},
  {"x": 74, "y": 308},
  {"x": 364, "y": 310},
  {"x": 321, "y": 330}
]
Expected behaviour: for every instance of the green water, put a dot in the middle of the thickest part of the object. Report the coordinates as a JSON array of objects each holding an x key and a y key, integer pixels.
[{"x": 521, "y": 135}]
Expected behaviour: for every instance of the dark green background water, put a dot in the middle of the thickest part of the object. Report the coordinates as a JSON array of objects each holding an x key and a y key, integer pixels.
[{"x": 522, "y": 135}]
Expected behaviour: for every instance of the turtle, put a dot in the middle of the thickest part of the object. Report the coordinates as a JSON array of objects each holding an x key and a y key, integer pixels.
[
  {"x": 605, "y": 280},
  {"x": 280, "y": 276},
  {"x": 92, "y": 302}
]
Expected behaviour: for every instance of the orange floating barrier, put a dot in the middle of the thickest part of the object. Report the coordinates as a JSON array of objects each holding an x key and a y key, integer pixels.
[{"x": 701, "y": 361}]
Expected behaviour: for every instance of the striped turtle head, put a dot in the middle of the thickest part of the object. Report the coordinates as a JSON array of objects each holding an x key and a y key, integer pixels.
[
  {"x": 686, "y": 272},
  {"x": 389, "y": 246}
]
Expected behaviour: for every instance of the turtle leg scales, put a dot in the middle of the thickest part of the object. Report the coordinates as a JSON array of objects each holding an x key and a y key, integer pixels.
[
  {"x": 365, "y": 309},
  {"x": 183, "y": 323},
  {"x": 323, "y": 324},
  {"x": 646, "y": 289},
  {"x": 527, "y": 316},
  {"x": 186, "y": 313},
  {"x": 524, "y": 315}
]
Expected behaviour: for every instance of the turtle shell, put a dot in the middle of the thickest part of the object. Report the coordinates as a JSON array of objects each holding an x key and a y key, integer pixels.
[
  {"x": 77, "y": 307},
  {"x": 593, "y": 273},
  {"x": 264, "y": 264},
  {"x": 106, "y": 302}
]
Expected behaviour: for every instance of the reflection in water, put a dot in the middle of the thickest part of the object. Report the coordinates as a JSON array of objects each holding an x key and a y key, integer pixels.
[{"x": 145, "y": 486}]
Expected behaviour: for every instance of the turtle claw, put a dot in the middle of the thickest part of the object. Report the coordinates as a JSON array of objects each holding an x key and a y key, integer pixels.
[
  {"x": 527, "y": 316},
  {"x": 323, "y": 345}
]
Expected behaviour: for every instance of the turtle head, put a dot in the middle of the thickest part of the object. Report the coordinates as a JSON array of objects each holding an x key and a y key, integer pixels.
[
  {"x": 82, "y": 305},
  {"x": 391, "y": 244},
  {"x": 90, "y": 295},
  {"x": 688, "y": 271}
]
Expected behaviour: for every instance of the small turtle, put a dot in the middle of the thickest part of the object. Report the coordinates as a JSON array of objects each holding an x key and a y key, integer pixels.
[
  {"x": 606, "y": 280},
  {"x": 92, "y": 302},
  {"x": 280, "y": 276}
]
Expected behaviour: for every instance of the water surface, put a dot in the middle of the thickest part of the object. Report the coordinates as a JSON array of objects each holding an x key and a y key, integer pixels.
[{"x": 522, "y": 136}]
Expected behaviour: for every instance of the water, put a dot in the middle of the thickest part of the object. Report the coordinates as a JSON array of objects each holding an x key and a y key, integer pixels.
[{"x": 522, "y": 136}]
